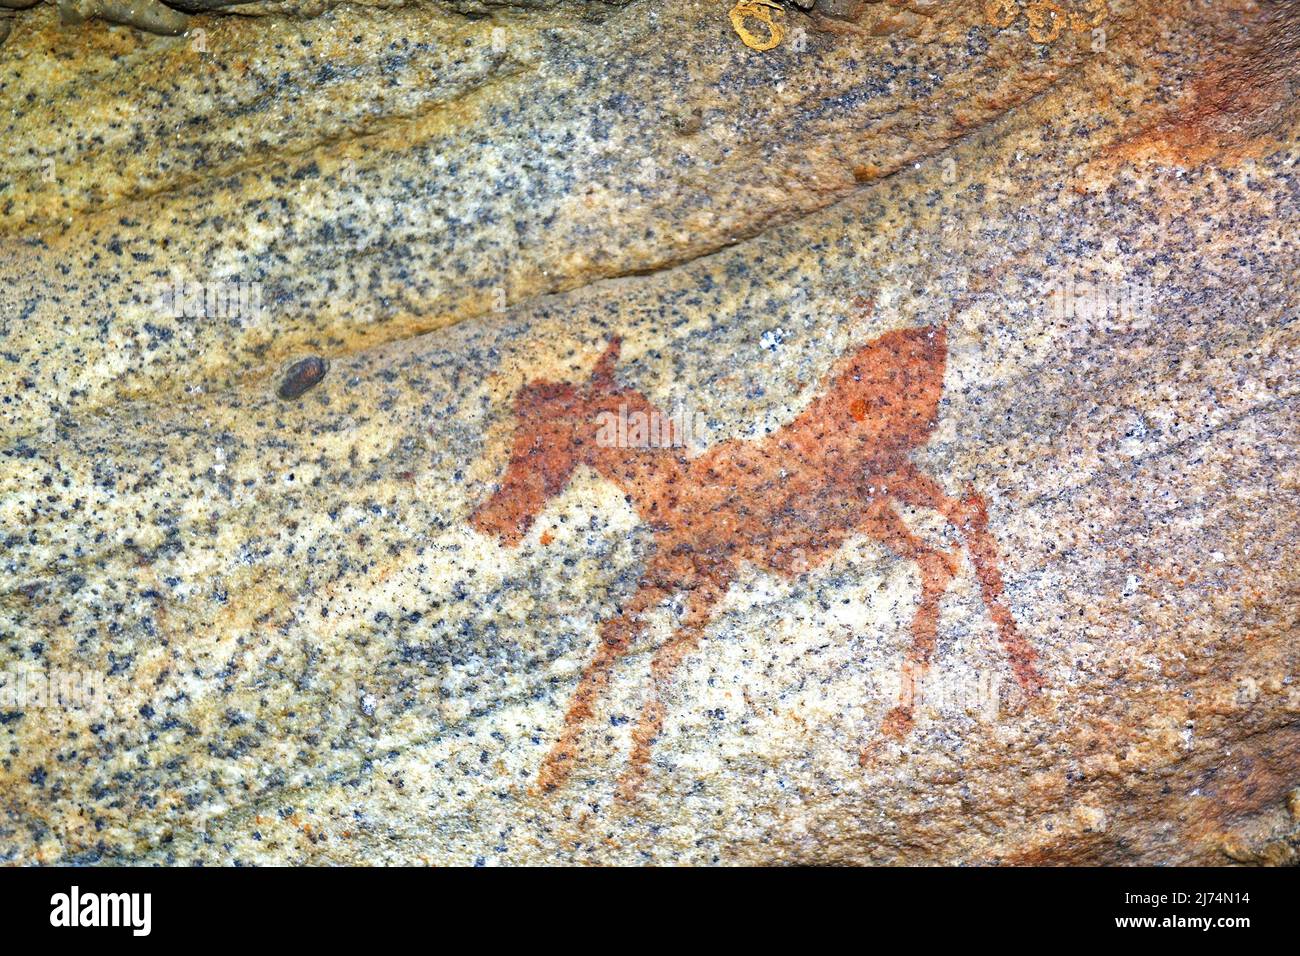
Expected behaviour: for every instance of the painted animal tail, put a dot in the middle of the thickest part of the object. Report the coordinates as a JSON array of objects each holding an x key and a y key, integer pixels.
[{"x": 984, "y": 554}]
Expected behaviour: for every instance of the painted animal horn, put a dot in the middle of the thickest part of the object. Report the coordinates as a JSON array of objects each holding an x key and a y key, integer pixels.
[{"x": 602, "y": 375}]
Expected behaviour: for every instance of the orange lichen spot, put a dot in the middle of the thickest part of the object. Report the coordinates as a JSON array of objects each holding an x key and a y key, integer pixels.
[
  {"x": 1001, "y": 13},
  {"x": 547, "y": 538},
  {"x": 1045, "y": 20},
  {"x": 858, "y": 409},
  {"x": 1099, "y": 11},
  {"x": 1238, "y": 108}
]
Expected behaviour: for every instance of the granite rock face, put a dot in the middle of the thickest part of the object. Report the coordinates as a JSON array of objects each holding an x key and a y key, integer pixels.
[
  {"x": 377, "y": 174},
  {"x": 564, "y": 434}
]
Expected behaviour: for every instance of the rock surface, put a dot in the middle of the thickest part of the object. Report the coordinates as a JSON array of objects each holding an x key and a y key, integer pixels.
[{"x": 305, "y": 649}]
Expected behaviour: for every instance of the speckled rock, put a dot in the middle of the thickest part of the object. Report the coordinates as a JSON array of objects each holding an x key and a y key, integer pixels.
[
  {"x": 393, "y": 612},
  {"x": 380, "y": 173}
]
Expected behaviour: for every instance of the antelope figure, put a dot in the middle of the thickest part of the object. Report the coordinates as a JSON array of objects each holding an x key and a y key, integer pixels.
[{"x": 783, "y": 504}]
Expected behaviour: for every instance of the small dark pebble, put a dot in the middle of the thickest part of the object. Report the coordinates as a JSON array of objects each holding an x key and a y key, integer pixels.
[{"x": 301, "y": 376}]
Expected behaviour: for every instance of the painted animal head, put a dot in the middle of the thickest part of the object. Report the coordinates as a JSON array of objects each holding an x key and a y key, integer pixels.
[
  {"x": 883, "y": 399},
  {"x": 554, "y": 432}
]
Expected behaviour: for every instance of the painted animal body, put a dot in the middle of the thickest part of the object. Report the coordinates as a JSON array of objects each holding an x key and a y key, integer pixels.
[{"x": 784, "y": 504}]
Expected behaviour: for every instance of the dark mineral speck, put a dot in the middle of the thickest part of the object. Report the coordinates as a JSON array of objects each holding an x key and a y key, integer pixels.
[{"x": 302, "y": 376}]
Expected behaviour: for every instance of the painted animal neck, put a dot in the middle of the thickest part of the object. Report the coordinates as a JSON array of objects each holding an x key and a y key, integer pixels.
[{"x": 630, "y": 442}]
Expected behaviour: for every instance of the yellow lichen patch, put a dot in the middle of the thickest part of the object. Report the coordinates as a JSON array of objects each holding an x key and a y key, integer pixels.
[
  {"x": 1045, "y": 18},
  {"x": 1001, "y": 13},
  {"x": 1045, "y": 21},
  {"x": 760, "y": 10}
]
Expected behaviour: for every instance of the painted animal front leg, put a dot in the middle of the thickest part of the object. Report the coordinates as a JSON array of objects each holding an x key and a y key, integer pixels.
[
  {"x": 703, "y": 600},
  {"x": 616, "y": 637},
  {"x": 969, "y": 515},
  {"x": 937, "y": 569}
]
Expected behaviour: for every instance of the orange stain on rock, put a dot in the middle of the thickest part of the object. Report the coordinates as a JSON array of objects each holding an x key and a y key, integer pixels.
[
  {"x": 1238, "y": 107},
  {"x": 783, "y": 504}
]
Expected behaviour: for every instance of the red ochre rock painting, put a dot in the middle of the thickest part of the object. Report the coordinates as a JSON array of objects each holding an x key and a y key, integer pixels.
[{"x": 784, "y": 504}]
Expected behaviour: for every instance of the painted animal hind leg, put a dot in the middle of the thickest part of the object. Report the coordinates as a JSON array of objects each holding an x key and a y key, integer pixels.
[
  {"x": 616, "y": 637},
  {"x": 703, "y": 599},
  {"x": 969, "y": 515},
  {"x": 937, "y": 570}
]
